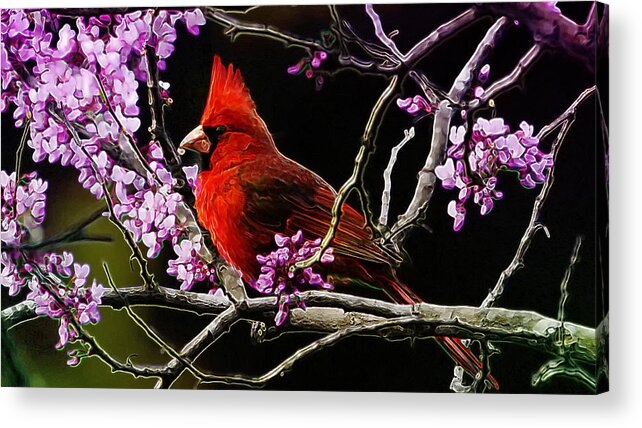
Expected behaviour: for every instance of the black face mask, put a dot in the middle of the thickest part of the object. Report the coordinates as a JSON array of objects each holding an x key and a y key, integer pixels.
[{"x": 213, "y": 134}]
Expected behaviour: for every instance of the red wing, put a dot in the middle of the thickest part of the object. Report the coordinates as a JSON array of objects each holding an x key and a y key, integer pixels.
[{"x": 293, "y": 198}]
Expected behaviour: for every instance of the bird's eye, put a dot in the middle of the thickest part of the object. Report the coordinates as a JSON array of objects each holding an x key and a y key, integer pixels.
[{"x": 214, "y": 132}]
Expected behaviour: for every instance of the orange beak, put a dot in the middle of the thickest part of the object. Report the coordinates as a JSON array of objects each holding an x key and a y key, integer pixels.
[{"x": 195, "y": 140}]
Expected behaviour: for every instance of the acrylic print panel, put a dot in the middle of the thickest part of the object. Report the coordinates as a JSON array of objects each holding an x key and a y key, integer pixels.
[{"x": 355, "y": 197}]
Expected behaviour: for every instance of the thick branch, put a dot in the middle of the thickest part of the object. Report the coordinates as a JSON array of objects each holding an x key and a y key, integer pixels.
[
  {"x": 330, "y": 311},
  {"x": 136, "y": 296},
  {"x": 553, "y": 29},
  {"x": 447, "y": 29}
]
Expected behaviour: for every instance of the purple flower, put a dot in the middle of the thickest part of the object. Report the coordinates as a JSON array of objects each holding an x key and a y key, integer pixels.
[
  {"x": 457, "y": 211},
  {"x": 490, "y": 128},
  {"x": 416, "y": 105},
  {"x": 73, "y": 297},
  {"x": 318, "y": 58},
  {"x": 280, "y": 279},
  {"x": 296, "y": 68},
  {"x": 88, "y": 52},
  {"x": 191, "y": 173},
  {"x": 457, "y": 134},
  {"x": 23, "y": 206},
  {"x": 189, "y": 267},
  {"x": 309, "y": 66},
  {"x": 483, "y": 73},
  {"x": 491, "y": 149},
  {"x": 194, "y": 19}
]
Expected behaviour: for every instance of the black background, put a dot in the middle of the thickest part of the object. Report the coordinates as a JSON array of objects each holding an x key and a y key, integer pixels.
[{"x": 321, "y": 130}]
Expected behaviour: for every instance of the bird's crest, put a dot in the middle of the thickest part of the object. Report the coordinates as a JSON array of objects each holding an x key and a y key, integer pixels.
[{"x": 227, "y": 91}]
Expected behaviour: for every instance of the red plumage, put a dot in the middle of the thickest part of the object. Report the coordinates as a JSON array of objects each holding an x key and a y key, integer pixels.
[{"x": 252, "y": 191}]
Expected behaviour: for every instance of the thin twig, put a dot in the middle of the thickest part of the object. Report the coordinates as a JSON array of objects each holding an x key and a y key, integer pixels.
[
  {"x": 565, "y": 120},
  {"x": 21, "y": 146},
  {"x": 381, "y": 34},
  {"x": 147, "y": 330},
  {"x": 75, "y": 233},
  {"x": 94, "y": 348},
  {"x": 387, "y": 179},
  {"x": 380, "y": 59},
  {"x": 561, "y": 316},
  {"x": 236, "y": 27},
  {"x": 306, "y": 351},
  {"x": 570, "y": 111},
  {"x": 156, "y": 107},
  {"x": 355, "y": 180},
  {"x": 509, "y": 80},
  {"x": 190, "y": 352},
  {"x": 565, "y": 364}
]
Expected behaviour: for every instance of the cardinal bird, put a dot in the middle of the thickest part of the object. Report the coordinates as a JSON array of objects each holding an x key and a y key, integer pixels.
[{"x": 251, "y": 192}]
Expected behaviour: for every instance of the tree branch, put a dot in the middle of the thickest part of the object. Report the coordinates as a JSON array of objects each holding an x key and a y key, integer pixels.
[
  {"x": 76, "y": 233},
  {"x": 566, "y": 120},
  {"x": 427, "y": 178},
  {"x": 445, "y": 30},
  {"x": 387, "y": 179},
  {"x": 137, "y": 255},
  {"x": 329, "y": 311},
  {"x": 509, "y": 80},
  {"x": 553, "y": 29},
  {"x": 235, "y": 27},
  {"x": 190, "y": 352},
  {"x": 356, "y": 179},
  {"x": 156, "y": 106}
]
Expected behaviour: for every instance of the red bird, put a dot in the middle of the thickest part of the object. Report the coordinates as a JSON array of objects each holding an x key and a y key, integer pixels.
[{"x": 252, "y": 191}]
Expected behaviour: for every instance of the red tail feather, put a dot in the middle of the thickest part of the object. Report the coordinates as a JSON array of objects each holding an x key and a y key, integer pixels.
[{"x": 455, "y": 348}]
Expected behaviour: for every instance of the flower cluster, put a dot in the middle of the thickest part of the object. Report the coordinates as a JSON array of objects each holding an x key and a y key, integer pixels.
[
  {"x": 23, "y": 206},
  {"x": 74, "y": 298},
  {"x": 309, "y": 66},
  {"x": 491, "y": 148},
  {"x": 23, "y": 209},
  {"x": 150, "y": 211},
  {"x": 416, "y": 105},
  {"x": 279, "y": 279},
  {"x": 80, "y": 95},
  {"x": 189, "y": 267},
  {"x": 85, "y": 83},
  {"x": 145, "y": 207}
]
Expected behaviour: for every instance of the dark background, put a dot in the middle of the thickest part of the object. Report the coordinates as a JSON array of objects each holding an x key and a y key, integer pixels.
[{"x": 321, "y": 130}]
